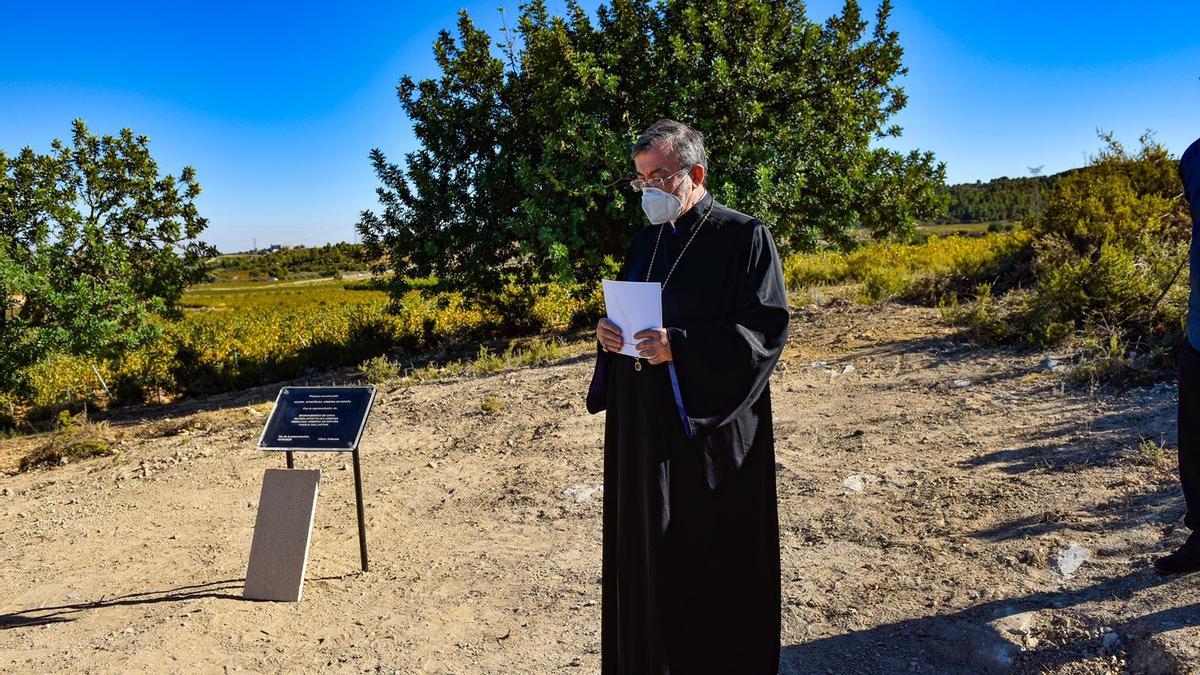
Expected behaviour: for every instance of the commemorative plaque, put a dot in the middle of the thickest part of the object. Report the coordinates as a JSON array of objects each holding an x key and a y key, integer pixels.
[{"x": 317, "y": 419}]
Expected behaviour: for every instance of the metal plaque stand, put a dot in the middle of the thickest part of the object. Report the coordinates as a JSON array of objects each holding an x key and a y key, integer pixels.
[
  {"x": 358, "y": 504},
  {"x": 330, "y": 438}
]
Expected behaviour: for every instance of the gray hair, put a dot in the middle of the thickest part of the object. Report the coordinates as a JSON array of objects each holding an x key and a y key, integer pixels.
[{"x": 686, "y": 143}]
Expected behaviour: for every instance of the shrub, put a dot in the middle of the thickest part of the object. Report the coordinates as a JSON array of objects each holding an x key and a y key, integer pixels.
[
  {"x": 808, "y": 269},
  {"x": 379, "y": 369},
  {"x": 1107, "y": 261},
  {"x": 76, "y": 438},
  {"x": 984, "y": 318},
  {"x": 1111, "y": 361},
  {"x": 491, "y": 405}
]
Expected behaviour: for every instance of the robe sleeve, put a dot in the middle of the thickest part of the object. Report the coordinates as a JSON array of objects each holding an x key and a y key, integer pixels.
[
  {"x": 1189, "y": 175},
  {"x": 597, "y": 394},
  {"x": 724, "y": 365}
]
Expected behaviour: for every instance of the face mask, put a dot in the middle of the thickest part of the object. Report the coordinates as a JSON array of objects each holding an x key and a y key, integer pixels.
[{"x": 660, "y": 206}]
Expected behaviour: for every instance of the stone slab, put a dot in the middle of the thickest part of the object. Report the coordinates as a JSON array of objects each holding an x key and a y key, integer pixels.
[{"x": 282, "y": 533}]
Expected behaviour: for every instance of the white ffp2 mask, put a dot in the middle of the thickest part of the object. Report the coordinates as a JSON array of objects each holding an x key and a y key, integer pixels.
[{"x": 660, "y": 206}]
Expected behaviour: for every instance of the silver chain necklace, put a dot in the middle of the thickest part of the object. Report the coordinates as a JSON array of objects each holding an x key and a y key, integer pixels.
[
  {"x": 637, "y": 364},
  {"x": 679, "y": 257}
]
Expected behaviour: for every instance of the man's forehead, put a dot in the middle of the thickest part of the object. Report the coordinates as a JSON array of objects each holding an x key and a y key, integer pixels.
[
  {"x": 658, "y": 160},
  {"x": 656, "y": 169}
]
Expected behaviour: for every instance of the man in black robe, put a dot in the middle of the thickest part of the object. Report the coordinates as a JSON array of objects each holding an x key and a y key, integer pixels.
[
  {"x": 1187, "y": 557},
  {"x": 691, "y": 578}
]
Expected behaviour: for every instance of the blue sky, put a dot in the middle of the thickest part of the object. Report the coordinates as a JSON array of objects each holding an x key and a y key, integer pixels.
[{"x": 277, "y": 105}]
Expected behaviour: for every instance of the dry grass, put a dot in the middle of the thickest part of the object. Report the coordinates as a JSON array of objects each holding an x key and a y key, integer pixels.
[{"x": 76, "y": 438}]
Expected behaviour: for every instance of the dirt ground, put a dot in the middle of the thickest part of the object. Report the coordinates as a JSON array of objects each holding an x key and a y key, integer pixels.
[{"x": 936, "y": 501}]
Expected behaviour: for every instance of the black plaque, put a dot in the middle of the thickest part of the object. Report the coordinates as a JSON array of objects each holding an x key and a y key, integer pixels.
[{"x": 317, "y": 419}]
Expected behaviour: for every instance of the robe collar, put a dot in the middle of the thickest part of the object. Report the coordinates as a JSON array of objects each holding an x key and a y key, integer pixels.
[{"x": 684, "y": 223}]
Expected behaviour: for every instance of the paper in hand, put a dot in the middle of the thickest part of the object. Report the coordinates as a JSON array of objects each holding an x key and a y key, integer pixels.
[{"x": 634, "y": 306}]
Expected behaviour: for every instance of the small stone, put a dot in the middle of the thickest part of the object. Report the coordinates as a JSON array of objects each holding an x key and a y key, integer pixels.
[
  {"x": 5, "y": 492},
  {"x": 345, "y": 467},
  {"x": 847, "y": 369},
  {"x": 858, "y": 482},
  {"x": 962, "y": 384},
  {"x": 581, "y": 493},
  {"x": 1070, "y": 559},
  {"x": 1110, "y": 641}
]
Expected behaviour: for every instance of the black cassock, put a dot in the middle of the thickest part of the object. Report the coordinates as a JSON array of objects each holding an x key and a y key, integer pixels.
[{"x": 691, "y": 527}]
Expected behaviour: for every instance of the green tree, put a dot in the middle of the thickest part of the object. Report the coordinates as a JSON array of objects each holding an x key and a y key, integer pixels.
[
  {"x": 998, "y": 199},
  {"x": 523, "y": 158},
  {"x": 93, "y": 244}
]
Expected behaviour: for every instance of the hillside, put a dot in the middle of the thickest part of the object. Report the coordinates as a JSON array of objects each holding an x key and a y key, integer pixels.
[
  {"x": 1001, "y": 199},
  {"x": 287, "y": 263}
]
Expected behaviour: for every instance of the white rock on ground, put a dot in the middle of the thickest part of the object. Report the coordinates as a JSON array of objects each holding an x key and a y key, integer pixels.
[{"x": 1070, "y": 559}]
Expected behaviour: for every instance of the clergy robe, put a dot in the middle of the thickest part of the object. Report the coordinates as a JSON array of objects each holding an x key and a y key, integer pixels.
[{"x": 691, "y": 529}]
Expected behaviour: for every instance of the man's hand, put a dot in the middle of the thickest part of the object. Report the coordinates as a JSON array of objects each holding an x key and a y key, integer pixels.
[
  {"x": 655, "y": 346},
  {"x": 609, "y": 335}
]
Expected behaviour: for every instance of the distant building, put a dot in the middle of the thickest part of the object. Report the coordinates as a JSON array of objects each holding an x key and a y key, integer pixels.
[{"x": 283, "y": 247}]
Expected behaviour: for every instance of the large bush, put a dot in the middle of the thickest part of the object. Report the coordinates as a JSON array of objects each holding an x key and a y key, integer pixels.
[{"x": 521, "y": 172}]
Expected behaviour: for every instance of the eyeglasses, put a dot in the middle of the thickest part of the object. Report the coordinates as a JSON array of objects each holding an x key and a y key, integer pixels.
[{"x": 657, "y": 183}]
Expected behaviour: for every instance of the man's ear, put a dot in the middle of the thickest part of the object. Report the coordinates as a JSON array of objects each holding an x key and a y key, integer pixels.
[{"x": 697, "y": 173}]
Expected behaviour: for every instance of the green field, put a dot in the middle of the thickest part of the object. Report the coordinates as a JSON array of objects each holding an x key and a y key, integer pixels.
[
  {"x": 242, "y": 295},
  {"x": 239, "y": 334}
]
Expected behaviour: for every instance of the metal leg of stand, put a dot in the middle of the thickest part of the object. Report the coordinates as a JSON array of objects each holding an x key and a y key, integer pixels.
[{"x": 362, "y": 523}]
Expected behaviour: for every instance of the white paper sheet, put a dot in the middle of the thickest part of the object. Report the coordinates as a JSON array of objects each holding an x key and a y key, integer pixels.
[{"x": 634, "y": 306}]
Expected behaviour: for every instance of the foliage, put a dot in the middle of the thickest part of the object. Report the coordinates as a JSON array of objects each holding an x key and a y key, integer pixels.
[
  {"x": 379, "y": 369},
  {"x": 537, "y": 352},
  {"x": 491, "y": 405},
  {"x": 1155, "y": 454},
  {"x": 889, "y": 269},
  {"x": 999, "y": 199},
  {"x": 327, "y": 261},
  {"x": 244, "y": 335},
  {"x": 94, "y": 243},
  {"x": 519, "y": 178},
  {"x": 985, "y": 317},
  {"x": 1106, "y": 272},
  {"x": 1107, "y": 255},
  {"x": 1108, "y": 360},
  {"x": 75, "y": 438}
]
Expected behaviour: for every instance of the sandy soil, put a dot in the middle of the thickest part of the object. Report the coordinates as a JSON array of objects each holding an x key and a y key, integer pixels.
[{"x": 928, "y": 492}]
